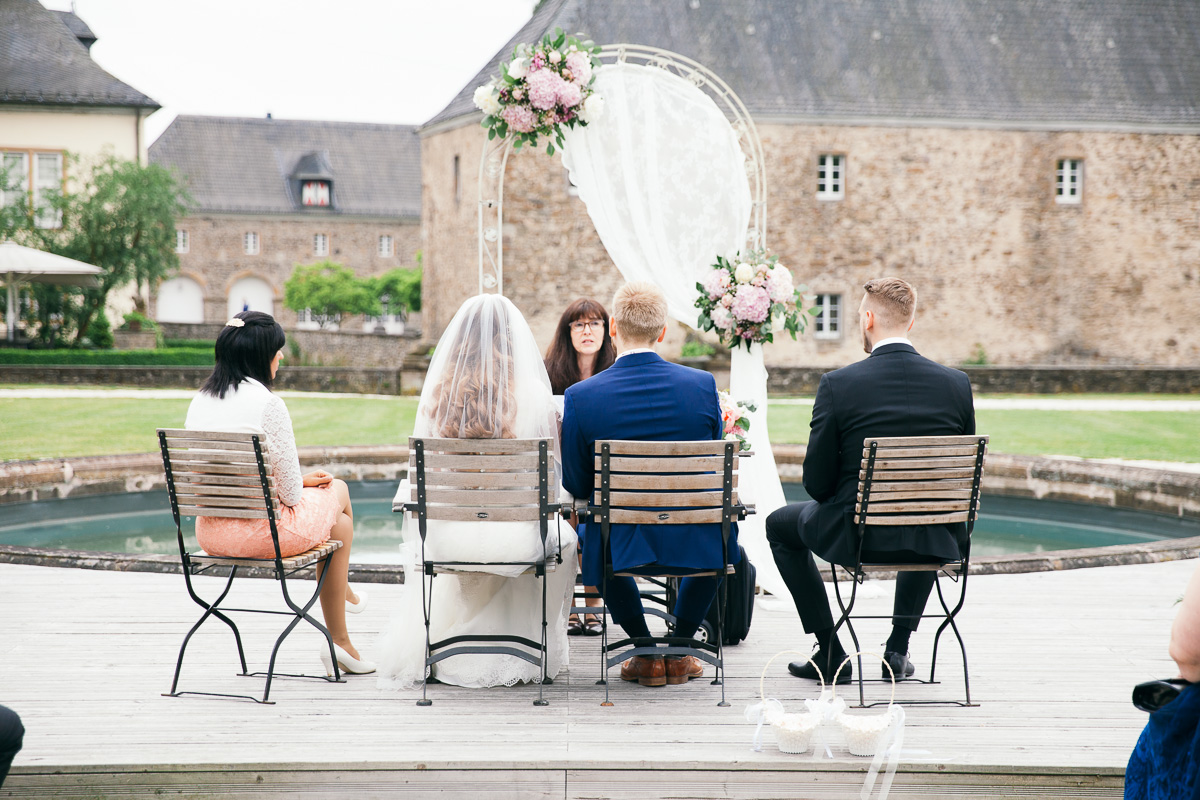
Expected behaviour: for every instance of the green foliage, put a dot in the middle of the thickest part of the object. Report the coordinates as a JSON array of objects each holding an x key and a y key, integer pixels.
[
  {"x": 136, "y": 321},
  {"x": 401, "y": 288},
  {"x": 99, "y": 333},
  {"x": 173, "y": 356},
  {"x": 696, "y": 349},
  {"x": 328, "y": 290},
  {"x": 190, "y": 344},
  {"x": 978, "y": 358}
]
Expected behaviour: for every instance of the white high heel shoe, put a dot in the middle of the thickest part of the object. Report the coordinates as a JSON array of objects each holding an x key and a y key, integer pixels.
[
  {"x": 357, "y": 608},
  {"x": 347, "y": 662}
]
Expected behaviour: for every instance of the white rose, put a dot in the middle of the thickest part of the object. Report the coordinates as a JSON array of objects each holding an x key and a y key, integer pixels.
[
  {"x": 593, "y": 108},
  {"x": 518, "y": 68},
  {"x": 554, "y": 56},
  {"x": 730, "y": 437},
  {"x": 487, "y": 100},
  {"x": 744, "y": 273}
]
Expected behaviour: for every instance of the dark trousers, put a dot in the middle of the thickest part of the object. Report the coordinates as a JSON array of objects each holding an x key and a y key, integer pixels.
[
  {"x": 12, "y": 735},
  {"x": 691, "y": 604},
  {"x": 803, "y": 579}
]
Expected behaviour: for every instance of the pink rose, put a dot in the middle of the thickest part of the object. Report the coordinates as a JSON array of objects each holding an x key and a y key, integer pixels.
[
  {"x": 519, "y": 118},
  {"x": 543, "y": 88},
  {"x": 715, "y": 283},
  {"x": 752, "y": 303},
  {"x": 580, "y": 65},
  {"x": 569, "y": 94},
  {"x": 721, "y": 318}
]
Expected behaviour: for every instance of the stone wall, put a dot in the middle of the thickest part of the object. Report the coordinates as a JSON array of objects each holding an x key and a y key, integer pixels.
[
  {"x": 327, "y": 348},
  {"x": 216, "y": 258},
  {"x": 968, "y": 216}
]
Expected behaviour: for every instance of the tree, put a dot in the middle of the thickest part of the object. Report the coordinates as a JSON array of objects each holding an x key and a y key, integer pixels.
[
  {"x": 327, "y": 290},
  {"x": 399, "y": 290},
  {"x": 122, "y": 220}
]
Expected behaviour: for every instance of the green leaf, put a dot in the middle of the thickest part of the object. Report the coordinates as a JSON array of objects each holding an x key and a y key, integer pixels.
[{"x": 550, "y": 149}]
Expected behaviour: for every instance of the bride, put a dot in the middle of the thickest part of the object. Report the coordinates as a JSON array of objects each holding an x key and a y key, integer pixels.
[{"x": 486, "y": 381}]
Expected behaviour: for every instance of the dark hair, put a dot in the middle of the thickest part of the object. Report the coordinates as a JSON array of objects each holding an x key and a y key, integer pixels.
[
  {"x": 244, "y": 351},
  {"x": 562, "y": 362}
]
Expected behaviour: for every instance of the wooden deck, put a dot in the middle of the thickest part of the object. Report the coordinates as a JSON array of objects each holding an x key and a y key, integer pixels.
[{"x": 84, "y": 656}]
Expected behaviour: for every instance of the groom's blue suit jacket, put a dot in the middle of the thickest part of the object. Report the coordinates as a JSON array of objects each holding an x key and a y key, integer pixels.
[{"x": 641, "y": 397}]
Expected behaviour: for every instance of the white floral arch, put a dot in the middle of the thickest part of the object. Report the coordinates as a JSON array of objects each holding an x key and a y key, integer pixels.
[{"x": 672, "y": 175}]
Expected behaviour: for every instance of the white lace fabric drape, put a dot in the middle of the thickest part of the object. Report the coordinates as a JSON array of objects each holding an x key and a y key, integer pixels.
[{"x": 664, "y": 181}]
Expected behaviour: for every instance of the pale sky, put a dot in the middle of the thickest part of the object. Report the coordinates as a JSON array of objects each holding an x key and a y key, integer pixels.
[{"x": 395, "y": 61}]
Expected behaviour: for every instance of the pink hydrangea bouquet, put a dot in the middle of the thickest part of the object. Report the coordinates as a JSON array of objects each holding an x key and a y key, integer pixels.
[
  {"x": 542, "y": 88},
  {"x": 735, "y": 422},
  {"x": 748, "y": 297}
]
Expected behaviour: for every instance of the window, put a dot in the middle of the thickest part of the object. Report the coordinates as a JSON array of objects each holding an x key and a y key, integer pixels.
[
  {"x": 321, "y": 244},
  {"x": 314, "y": 193},
  {"x": 386, "y": 246},
  {"x": 828, "y": 323},
  {"x": 250, "y": 244},
  {"x": 16, "y": 178},
  {"x": 47, "y": 185},
  {"x": 830, "y": 169},
  {"x": 1068, "y": 181},
  {"x": 306, "y": 320},
  {"x": 457, "y": 183},
  {"x": 181, "y": 241}
]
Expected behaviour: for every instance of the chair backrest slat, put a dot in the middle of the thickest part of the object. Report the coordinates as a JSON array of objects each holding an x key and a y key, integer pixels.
[
  {"x": 620, "y": 516},
  {"x": 920, "y": 480},
  {"x": 224, "y": 445},
  {"x": 182, "y": 478},
  {"x": 620, "y": 447},
  {"x": 500, "y": 462},
  {"x": 209, "y": 511},
  {"x": 473, "y": 446},
  {"x": 665, "y": 464},
  {"x": 215, "y": 474},
  {"x": 664, "y": 483},
  {"x": 664, "y": 499},
  {"x": 634, "y": 482}
]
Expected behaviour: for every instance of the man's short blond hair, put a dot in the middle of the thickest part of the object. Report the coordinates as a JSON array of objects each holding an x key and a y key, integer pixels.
[
  {"x": 640, "y": 309},
  {"x": 893, "y": 300}
]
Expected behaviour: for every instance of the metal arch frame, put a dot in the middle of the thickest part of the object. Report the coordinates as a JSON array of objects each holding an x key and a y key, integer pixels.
[{"x": 494, "y": 159}]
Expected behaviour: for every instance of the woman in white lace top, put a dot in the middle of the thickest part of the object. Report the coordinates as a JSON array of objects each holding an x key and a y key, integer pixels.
[{"x": 313, "y": 508}]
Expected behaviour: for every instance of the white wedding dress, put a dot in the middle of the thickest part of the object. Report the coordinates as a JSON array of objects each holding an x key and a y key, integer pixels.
[{"x": 502, "y": 600}]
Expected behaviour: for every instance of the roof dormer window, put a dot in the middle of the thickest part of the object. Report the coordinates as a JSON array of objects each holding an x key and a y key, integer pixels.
[{"x": 314, "y": 193}]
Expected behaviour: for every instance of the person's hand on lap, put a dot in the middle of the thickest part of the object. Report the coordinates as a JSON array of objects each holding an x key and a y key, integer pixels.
[{"x": 317, "y": 478}]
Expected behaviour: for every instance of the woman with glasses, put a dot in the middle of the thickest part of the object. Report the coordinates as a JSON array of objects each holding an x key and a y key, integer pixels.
[{"x": 582, "y": 348}]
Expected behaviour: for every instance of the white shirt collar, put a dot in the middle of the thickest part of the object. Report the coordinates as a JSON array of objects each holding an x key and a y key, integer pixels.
[
  {"x": 636, "y": 350},
  {"x": 891, "y": 340}
]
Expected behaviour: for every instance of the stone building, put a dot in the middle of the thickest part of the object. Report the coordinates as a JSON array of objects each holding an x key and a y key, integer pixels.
[
  {"x": 269, "y": 194},
  {"x": 1033, "y": 168}
]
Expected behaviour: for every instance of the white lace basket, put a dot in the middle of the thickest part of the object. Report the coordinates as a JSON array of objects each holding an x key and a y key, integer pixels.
[
  {"x": 864, "y": 734},
  {"x": 793, "y": 732}
]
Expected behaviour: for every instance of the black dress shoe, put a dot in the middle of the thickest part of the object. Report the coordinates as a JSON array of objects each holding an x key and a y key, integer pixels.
[
  {"x": 804, "y": 669},
  {"x": 901, "y": 667}
]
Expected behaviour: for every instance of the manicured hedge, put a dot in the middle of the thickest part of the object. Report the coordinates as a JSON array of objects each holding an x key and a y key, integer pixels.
[
  {"x": 190, "y": 344},
  {"x": 172, "y": 356}
]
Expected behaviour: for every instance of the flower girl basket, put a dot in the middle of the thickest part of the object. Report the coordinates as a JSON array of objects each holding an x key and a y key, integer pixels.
[
  {"x": 793, "y": 732},
  {"x": 865, "y": 735}
]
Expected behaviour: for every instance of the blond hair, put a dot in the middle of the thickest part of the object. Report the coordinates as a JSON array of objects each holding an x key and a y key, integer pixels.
[
  {"x": 894, "y": 300},
  {"x": 475, "y": 400},
  {"x": 640, "y": 310}
]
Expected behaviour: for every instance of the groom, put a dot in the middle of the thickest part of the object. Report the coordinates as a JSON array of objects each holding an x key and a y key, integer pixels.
[{"x": 643, "y": 397}]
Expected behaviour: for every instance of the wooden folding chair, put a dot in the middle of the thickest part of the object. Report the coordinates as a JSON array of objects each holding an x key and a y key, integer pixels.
[
  {"x": 215, "y": 474},
  {"x": 917, "y": 480},
  {"x": 665, "y": 483},
  {"x": 484, "y": 480}
]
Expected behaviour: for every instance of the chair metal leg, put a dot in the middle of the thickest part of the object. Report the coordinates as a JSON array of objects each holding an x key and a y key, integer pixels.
[
  {"x": 210, "y": 609},
  {"x": 541, "y": 701},
  {"x": 951, "y": 614},
  {"x": 604, "y": 641},
  {"x": 846, "y": 609},
  {"x": 426, "y": 604},
  {"x": 720, "y": 665}
]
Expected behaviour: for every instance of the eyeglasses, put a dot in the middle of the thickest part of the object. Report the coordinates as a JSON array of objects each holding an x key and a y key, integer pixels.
[
  {"x": 1153, "y": 695},
  {"x": 586, "y": 324}
]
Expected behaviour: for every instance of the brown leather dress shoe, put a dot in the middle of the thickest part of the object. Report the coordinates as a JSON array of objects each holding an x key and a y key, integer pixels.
[
  {"x": 681, "y": 670},
  {"x": 646, "y": 670}
]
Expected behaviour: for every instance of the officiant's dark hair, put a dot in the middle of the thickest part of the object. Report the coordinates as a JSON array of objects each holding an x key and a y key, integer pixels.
[
  {"x": 562, "y": 362},
  {"x": 244, "y": 351}
]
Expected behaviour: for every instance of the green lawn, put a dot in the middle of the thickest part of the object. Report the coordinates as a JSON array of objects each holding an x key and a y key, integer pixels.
[{"x": 49, "y": 428}]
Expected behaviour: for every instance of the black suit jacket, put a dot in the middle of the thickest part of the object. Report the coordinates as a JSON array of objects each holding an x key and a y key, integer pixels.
[{"x": 894, "y": 392}]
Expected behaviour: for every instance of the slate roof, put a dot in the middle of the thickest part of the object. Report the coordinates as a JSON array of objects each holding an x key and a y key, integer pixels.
[
  {"x": 1003, "y": 63},
  {"x": 42, "y": 62},
  {"x": 239, "y": 165},
  {"x": 78, "y": 27}
]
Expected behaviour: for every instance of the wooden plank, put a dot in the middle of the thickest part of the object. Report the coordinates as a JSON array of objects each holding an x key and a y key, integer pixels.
[
  {"x": 905, "y": 486},
  {"x": 174, "y": 445},
  {"x": 929, "y": 494},
  {"x": 919, "y": 452},
  {"x": 221, "y": 480},
  {"x": 203, "y": 467},
  {"x": 916, "y": 519},
  {"x": 460, "y": 514},
  {"x": 916, "y": 474},
  {"x": 964, "y": 463},
  {"x": 478, "y": 480},
  {"x": 488, "y": 497},
  {"x": 182, "y": 489},
  {"x": 706, "y": 480},
  {"x": 506, "y": 446},
  {"x": 664, "y": 465},
  {"x": 225, "y": 501},
  {"x": 626, "y": 447},
  {"x": 232, "y": 513},
  {"x": 499, "y": 462},
  {"x": 665, "y": 499},
  {"x": 214, "y": 457},
  {"x": 291, "y": 562},
  {"x": 214, "y": 436},
  {"x": 917, "y": 441},
  {"x": 912, "y": 506},
  {"x": 621, "y": 516}
]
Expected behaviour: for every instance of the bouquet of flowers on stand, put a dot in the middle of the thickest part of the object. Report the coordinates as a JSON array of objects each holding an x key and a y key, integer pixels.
[
  {"x": 543, "y": 87},
  {"x": 735, "y": 418},
  {"x": 749, "y": 297}
]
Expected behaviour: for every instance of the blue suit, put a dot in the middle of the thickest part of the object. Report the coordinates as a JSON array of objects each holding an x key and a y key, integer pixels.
[{"x": 642, "y": 397}]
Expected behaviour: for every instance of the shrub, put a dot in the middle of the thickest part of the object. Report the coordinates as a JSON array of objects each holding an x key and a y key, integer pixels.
[
  {"x": 170, "y": 357},
  {"x": 695, "y": 349}
]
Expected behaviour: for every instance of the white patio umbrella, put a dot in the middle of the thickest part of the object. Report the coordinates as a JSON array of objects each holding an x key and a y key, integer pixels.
[{"x": 26, "y": 264}]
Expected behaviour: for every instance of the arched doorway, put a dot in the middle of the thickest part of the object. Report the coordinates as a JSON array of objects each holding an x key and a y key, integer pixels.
[
  {"x": 251, "y": 294},
  {"x": 180, "y": 300}
]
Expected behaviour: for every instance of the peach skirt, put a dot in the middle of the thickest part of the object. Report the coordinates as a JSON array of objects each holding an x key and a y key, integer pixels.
[{"x": 301, "y": 527}]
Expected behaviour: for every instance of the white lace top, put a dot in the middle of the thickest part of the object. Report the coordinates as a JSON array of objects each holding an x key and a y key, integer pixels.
[{"x": 252, "y": 408}]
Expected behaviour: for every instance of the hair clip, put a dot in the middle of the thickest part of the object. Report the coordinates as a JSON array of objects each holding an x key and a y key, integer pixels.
[{"x": 235, "y": 323}]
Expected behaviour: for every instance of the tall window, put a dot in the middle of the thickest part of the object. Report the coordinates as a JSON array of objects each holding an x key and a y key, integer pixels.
[
  {"x": 1068, "y": 181},
  {"x": 386, "y": 246},
  {"x": 320, "y": 244},
  {"x": 16, "y": 178},
  {"x": 830, "y": 173},
  {"x": 250, "y": 244},
  {"x": 827, "y": 324},
  {"x": 181, "y": 241},
  {"x": 314, "y": 193},
  {"x": 457, "y": 182}
]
